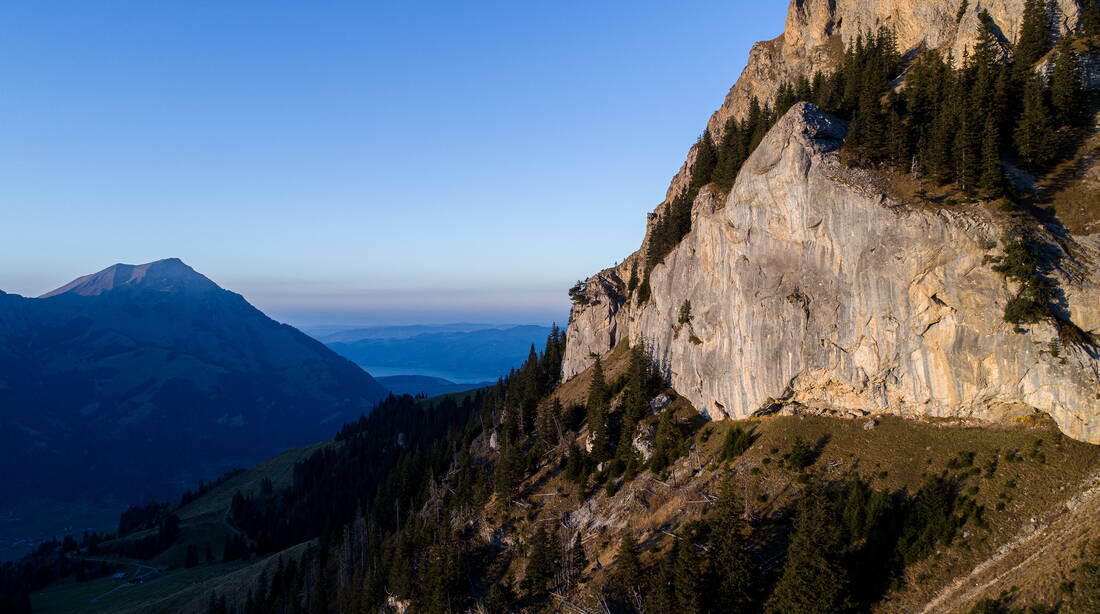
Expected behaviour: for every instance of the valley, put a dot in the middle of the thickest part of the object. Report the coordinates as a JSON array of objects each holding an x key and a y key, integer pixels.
[
  {"x": 853, "y": 366},
  {"x": 1043, "y": 490}
]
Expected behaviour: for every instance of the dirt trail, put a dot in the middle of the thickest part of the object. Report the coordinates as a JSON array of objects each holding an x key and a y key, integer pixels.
[{"x": 1067, "y": 521}]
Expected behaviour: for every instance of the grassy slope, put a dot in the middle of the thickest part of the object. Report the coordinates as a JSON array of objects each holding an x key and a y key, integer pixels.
[
  {"x": 202, "y": 524},
  {"x": 896, "y": 454},
  {"x": 176, "y": 590}
]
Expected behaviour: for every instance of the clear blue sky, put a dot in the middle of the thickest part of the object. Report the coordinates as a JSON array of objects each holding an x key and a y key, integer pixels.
[{"x": 354, "y": 162}]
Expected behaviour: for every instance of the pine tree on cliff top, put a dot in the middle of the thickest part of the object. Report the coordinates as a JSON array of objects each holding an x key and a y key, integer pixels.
[{"x": 1035, "y": 129}]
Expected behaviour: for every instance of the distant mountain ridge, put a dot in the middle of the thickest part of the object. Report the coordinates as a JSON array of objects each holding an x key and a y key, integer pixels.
[
  {"x": 428, "y": 386},
  {"x": 350, "y": 335},
  {"x": 141, "y": 378},
  {"x": 474, "y": 355}
]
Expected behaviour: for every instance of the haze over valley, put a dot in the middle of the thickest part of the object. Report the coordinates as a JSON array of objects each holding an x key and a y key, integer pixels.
[{"x": 521, "y": 308}]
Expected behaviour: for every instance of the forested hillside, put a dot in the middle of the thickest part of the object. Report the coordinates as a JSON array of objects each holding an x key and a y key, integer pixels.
[{"x": 608, "y": 490}]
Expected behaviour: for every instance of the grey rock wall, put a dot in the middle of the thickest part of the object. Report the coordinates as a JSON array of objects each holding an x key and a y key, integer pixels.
[{"x": 808, "y": 284}]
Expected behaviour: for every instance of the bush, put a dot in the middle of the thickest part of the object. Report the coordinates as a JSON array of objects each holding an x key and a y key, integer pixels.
[
  {"x": 1032, "y": 301},
  {"x": 737, "y": 442},
  {"x": 801, "y": 456},
  {"x": 685, "y": 312},
  {"x": 1022, "y": 310},
  {"x": 961, "y": 460},
  {"x": 644, "y": 290},
  {"x": 577, "y": 295}
]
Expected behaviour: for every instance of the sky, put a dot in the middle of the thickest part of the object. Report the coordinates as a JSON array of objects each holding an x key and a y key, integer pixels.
[{"x": 354, "y": 162}]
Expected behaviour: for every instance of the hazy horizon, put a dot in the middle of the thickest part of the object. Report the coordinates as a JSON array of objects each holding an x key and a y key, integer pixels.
[
  {"x": 307, "y": 307},
  {"x": 356, "y": 159}
]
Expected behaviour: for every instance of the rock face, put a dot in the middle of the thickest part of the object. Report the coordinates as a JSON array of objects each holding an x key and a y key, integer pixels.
[
  {"x": 810, "y": 285},
  {"x": 817, "y": 31}
]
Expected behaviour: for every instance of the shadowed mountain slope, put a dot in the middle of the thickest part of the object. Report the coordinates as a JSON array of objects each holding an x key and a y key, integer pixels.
[{"x": 138, "y": 380}]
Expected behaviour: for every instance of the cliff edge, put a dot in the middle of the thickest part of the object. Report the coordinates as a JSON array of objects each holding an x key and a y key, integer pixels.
[{"x": 809, "y": 285}]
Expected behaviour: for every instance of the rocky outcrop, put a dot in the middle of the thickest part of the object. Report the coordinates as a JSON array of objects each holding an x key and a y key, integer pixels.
[
  {"x": 817, "y": 31},
  {"x": 808, "y": 284}
]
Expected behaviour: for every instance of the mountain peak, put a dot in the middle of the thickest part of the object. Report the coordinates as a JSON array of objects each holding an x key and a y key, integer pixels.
[{"x": 168, "y": 275}]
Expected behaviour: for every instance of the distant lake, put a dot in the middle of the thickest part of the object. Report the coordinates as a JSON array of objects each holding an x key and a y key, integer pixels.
[{"x": 458, "y": 378}]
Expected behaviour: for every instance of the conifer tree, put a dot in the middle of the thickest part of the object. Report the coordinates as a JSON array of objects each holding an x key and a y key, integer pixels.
[
  {"x": 628, "y": 567},
  {"x": 985, "y": 60},
  {"x": 803, "y": 89},
  {"x": 732, "y": 566},
  {"x": 529, "y": 388},
  {"x": 1034, "y": 132},
  {"x": 442, "y": 582},
  {"x": 758, "y": 125},
  {"x": 548, "y": 429},
  {"x": 898, "y": 140},
  {"x": 1002, "y": 108},
  {"x": 688, "y": 582},
  {"x": 598, "y": 400},
  {"x": 576, "y": 465},
  {"x": 853, "y": 72},
  {"x": 992, "y": 179},
  {"x": 509, "y": 469},
  {"x": 968, "y": 144},
  {"x": 737, "y": 441},
  {"x": 868, "y": 132},
  {"x": 665, "y": 443},
  {"x": 1035, "y": 35},
  {"x": 784, "y": 98},
  {"x": 1090, "y": 19},
  {"x": 985, "y": 74},
  {"x": 661, "y": 598},
  {"x": 635, "y": 401},
  {"x": 706, "y": 157},
  {"x": 643, "y": 290},
  {"x": 1066, "y": 86},
  {"x": 542, "y": 563},
  {"x": 550, "y": 361},
  {"x": 941, "y": 136},
  {"x": 730, "y": 156},
  {"x": 813, "y": 580}
]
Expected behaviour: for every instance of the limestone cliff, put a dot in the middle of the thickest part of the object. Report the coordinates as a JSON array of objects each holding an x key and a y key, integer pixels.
[{"x": 810, "y": 285}]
